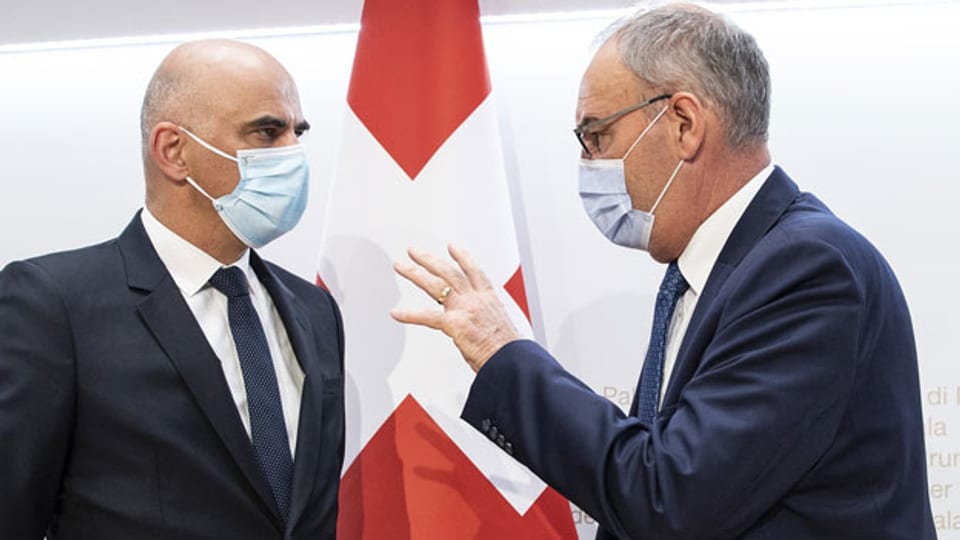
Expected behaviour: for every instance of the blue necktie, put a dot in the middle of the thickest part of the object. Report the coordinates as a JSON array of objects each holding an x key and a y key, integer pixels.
[
  {"x": 269, "y": 432},
  {"x": 671, "y": 289}
]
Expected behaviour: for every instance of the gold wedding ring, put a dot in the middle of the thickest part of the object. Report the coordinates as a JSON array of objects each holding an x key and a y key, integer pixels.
[{"x": 444, "y": 294}]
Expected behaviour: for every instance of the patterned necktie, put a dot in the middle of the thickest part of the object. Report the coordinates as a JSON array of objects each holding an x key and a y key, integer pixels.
[
  {"x": 671, "y": 289},
  {"x": 269, "y": 432}
]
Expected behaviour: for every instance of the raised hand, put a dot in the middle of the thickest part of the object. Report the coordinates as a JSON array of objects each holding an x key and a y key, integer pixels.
[{"x": 472, "y": 313}]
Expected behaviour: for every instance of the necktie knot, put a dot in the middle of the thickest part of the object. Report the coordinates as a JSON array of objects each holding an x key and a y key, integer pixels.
[
  {"x": 673, "y": 283},
  {"x": 230, "y": 281}
]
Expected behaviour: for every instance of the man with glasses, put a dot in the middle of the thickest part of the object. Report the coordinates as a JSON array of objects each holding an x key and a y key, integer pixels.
[{"x": 779, "y": 394}]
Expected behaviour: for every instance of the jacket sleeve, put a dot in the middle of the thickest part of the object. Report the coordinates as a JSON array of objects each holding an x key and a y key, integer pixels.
[
  {"x": 36, "y": 399},
  {"x": 762, "y": 406}
]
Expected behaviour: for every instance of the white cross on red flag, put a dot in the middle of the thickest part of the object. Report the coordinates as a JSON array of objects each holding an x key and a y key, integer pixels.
[{"x": 421, "y": 164}]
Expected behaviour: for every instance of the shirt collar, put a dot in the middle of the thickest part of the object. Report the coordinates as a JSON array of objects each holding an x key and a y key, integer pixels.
[
  {"x": 704, "y": 248},
  {"x": 189, "y": 266}
]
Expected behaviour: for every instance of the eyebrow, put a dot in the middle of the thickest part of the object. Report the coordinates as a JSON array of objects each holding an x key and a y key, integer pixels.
[{"x": 275, "y": 122}]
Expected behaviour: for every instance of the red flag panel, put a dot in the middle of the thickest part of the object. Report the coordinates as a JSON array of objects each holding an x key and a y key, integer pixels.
[
  {"x": 418, "y": 73},
  {"x": 411, "y": 458},
  {"x": 518, "y": 292}
]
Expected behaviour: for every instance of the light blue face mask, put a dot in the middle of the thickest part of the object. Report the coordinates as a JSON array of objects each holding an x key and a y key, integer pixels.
[
  {"x": 271, "y": 196},
  {"x": 603, "y": 191}
]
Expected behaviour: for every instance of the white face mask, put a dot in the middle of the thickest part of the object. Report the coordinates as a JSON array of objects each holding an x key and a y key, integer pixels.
[
  {"x": 271, "y": 195},
  {"x": 603, "y": 191}
]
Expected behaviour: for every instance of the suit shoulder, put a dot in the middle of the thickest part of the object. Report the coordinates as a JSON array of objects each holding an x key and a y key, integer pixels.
[
  {"x": 809, "y": 222},
  {"x": 808, "y": 216},
  {"x": 73, "y": 263},
  {"x": 808, "y": 233}
]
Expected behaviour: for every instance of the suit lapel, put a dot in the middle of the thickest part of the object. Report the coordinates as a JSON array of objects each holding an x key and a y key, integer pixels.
[
  {"x": 773, "y": 199},
  {"x": 296, "y": 323},
  {"x": 174, "y": 327}
]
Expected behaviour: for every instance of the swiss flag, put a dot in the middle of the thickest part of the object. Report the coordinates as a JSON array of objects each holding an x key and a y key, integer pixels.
[{"x": 421, "y": 164}]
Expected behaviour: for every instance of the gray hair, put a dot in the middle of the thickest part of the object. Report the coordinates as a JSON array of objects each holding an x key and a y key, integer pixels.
[
  {"x": 161, "y": 92},
  {"x": 686, "y": 48},
  {"x": 171, "y": 95}
]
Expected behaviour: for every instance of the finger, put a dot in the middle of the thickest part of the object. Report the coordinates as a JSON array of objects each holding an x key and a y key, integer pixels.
[
  {"x": 439, "y": 267},
  {"x": 430, "y": 319},
  {"x": 425, "y": 281},
  {"x": 476, "y": 276}
]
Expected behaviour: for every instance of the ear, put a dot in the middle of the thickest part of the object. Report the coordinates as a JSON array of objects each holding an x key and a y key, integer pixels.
[
  {"x": 689, "y": 121},
  {"x": 166, "y": 150}
]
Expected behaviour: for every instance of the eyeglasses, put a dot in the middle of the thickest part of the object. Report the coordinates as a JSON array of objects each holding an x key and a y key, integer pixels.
[{"x": 588, "y": 133}]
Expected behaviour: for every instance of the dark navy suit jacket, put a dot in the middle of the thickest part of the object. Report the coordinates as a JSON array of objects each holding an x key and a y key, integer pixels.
[
  {"x": 793, "y": 411},
  {"x": 115, "y": 418}
]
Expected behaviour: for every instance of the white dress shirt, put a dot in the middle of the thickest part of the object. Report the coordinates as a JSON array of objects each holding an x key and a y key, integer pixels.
[
  {"x": 697, "y": 261},
  {"x": 191, "y": 269}
]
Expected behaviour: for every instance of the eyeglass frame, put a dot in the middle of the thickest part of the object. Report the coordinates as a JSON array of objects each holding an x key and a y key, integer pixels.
[{"x": 584, "y": 128}]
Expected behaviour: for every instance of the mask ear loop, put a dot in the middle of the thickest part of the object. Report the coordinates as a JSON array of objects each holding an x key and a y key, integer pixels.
[
  {"x": 664, "y": 191},
  {"x": 213, "y": 149},
  {"x": 196, "y": 186},
  {"x": 208, "y": 146},
  {"x": 645, "y": 130}
]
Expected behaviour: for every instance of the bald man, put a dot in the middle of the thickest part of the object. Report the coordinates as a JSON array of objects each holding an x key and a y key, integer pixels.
[{"x": 170, "y": 383}]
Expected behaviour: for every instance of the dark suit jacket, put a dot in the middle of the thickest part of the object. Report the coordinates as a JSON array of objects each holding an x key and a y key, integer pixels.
[
  {"x": 115, "y": 418},
  {"x": 793, "y": 411}
]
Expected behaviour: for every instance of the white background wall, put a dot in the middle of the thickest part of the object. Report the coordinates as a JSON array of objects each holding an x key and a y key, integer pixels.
[{"x": 865, "y": 114}]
